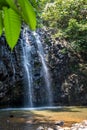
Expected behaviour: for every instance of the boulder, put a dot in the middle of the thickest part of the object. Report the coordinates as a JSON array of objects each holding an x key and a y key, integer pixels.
[{"x": 59, "y": 123}]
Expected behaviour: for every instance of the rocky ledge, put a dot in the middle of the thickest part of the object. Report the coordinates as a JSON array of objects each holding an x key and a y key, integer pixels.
[{"x": 58, "y": 126}]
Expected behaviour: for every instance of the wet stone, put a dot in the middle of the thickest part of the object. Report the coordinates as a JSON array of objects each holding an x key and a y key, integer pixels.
[
  {"x": 40, "y": 128},
  {"x": 59, "y": 123}
]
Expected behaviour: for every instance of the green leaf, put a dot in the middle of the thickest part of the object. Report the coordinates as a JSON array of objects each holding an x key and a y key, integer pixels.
[
  {"x": 3, "y": 3},
  {"x": 28, "y": 13},
  {"x": 34, "y": 3},
  {"x": 12, "y": 5},
  {"x": 1, "y": 23},
  {"x": 12, "y": 24}
]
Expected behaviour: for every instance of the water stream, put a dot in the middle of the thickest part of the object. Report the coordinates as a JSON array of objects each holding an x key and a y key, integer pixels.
[
  {"x": 44, "y": 68},
  {"x": 27, "y": 62},
  {"x": 28, "y": 69}
]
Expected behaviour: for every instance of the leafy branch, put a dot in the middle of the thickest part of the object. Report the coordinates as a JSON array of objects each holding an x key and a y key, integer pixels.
[{"x": 12, "y": 13}]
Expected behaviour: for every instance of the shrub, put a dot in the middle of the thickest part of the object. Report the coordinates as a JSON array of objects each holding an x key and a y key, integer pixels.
[
  {"x": 76, "y": 33},
  {"x": 70, "y": 18}
]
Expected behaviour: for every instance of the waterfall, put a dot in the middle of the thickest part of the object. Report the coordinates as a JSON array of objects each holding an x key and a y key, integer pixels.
[
  {"x": 13, "y": 67},
  {"x": 44, "y": 68},
  {"x": 28, "y": 68}
]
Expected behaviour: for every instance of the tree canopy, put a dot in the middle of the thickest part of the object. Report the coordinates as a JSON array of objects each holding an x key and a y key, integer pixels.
[{"x": 69, "y": 20}]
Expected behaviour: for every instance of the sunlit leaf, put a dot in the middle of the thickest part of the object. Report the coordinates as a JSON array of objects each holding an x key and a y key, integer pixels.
[
  {"x": 12, "y": 24},
  {"x": 28, "y": 13},
  {"x": 12, "y": 4},
  {"x": 1, "y": 23}
]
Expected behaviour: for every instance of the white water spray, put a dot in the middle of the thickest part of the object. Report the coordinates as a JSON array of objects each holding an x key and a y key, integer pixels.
[
  {"x": 28, "y": 68},
  {"x": 44, "y": 67}
]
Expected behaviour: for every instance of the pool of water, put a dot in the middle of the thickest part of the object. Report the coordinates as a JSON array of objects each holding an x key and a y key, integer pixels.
[
  {"x": 34, "y": 108},
  {"x": 23, "y": 118}
]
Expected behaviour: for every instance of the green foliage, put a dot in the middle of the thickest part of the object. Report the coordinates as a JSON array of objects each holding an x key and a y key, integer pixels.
[
  {"x": 3, "y": 3},
  {"x": 77, "y": 34},
  {"x": 63, "y": 51},
  {"x": 12, "y": 14},
  {"x": 12, "y": 30},
  {"x": 69, "y": 19},
  {"x": 12, "y": 5},
  {"x": 1, "y": 24},
  {"x": 28, "y": 13}
]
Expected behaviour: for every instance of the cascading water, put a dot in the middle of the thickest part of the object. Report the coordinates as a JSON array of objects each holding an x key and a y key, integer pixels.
[
  {"x": 28, "y": 69},
  {"x": 13, "y": 67},
  {"x": 27, "y": 63},
  {"x": 44, "y": 68},
  {"x": 30, "y": 72}
]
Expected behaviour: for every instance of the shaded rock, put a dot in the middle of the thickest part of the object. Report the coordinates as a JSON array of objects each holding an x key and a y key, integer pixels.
[
  {"x": 59, "y": 123},
  {"x": 11, "y": 116}
]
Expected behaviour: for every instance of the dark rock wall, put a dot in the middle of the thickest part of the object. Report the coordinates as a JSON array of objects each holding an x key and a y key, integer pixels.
[
  {"x": 68, "y": 74},
  {"x": 68, "y": 71},
  {"x": 11, "y": 75}
]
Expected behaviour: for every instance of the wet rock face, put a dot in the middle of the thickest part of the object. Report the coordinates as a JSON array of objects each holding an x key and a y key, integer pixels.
[
  {"x": 57, "y": 61},
  {"x": 11, "y": 74},
  {"x": 68, "y": 78},
  {"x": 13, "y": 79},
  {"x": 59, "y": 68},
  {"x": 69, "y": 85}
]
